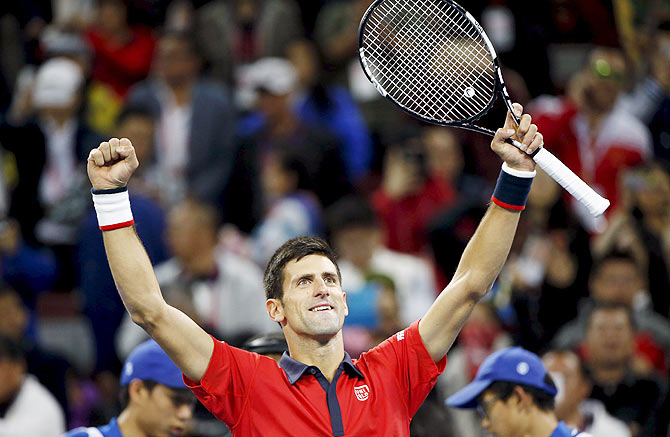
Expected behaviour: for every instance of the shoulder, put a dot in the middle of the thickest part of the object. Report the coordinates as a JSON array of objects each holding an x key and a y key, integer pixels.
[
  {"x": 550, "y": 106},
  {"x": 83, "y": 432}
]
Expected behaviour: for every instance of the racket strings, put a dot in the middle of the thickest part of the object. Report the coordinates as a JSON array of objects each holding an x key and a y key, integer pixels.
[{"x": 430, "y": 58}]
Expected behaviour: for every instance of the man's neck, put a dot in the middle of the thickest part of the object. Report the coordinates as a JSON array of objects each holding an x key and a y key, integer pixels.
[
  {"x": 127, "y": 422},
  {"x": 202, "y": 265},
  {"x": 574, "y": 418},
  {"x": 327, "y": 356},
  {"x": 181, "y": 91},
  {"x": 541, "y": 424},
  {"x": 608, "y": 375}
]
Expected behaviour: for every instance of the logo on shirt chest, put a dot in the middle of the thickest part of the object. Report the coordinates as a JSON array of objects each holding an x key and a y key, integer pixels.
[{"x": 362, "y": 392}]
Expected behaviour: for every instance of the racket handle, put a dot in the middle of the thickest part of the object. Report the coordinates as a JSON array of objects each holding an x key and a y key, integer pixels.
[{"x": 594, "y": 202}]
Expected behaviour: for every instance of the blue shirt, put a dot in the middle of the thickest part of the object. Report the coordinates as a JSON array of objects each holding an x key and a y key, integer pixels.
[
  {"x": 109, "y": 430},
  {"x": 563, "y": 431}
]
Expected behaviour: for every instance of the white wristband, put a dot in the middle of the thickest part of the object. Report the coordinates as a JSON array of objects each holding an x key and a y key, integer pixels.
[
  {"x": 518, "y": 173},
  {"x": 113, "y": 209}
]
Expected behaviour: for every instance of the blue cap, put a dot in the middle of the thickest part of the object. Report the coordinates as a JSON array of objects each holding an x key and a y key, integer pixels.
[
  {"x": 513, "y": 364},
  {"x": 148, "y": 362}
]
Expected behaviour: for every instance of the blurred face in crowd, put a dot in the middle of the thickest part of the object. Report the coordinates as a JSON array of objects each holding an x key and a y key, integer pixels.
[
  {"x": 139, "y": 129},
  {"x": 277, "y": 180},
  {"x": 13, "y": 316},
  {"x": 112, "y": 16},
  {"x": 565, "y": 369},
  {"x": 12, "y": 378},
  {"x": 618, "y": 281},
  {"x": 190, "y": 230},
  {"x": 604, "y": 78},
  {"x": 175, "y": 62},
  {"x": 652, "y": 191},
  {"x": 164, "y": 411},
  {"x": 357, "y": 244},
  {"x": 609, "y": 338},
  {"x": 274, "y": 107},
  {"x": 443, "y": 153},
  {"x": 304, "y": 58}
]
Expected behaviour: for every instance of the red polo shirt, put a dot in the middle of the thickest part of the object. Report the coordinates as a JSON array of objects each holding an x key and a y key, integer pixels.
[{"x": 376, "y": 395}]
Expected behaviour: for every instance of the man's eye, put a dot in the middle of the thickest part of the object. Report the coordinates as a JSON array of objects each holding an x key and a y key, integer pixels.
[
  {"x": 303, "y": 282},
  {"x": 330, "y": 280}
]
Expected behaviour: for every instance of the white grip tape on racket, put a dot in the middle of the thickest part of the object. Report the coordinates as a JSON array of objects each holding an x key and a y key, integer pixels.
[{"x": 594, "y": 202}]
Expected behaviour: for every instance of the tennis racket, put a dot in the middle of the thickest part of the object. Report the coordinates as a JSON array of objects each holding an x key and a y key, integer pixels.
[{"x": 433, "y": 60}]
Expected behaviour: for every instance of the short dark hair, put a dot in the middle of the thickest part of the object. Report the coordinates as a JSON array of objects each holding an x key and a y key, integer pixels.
[
  {"x": 503, "y": 390},
  {"x": 135, "y": 110},
  {"x": 185, "y": 37},
  {"x": 351, "y": 211},
  {"x": 612, "y": 306},
  {"x": 124, "y": 395},
  {"x": 614, "y": 255},
  {"x": 293, "y": 249}
]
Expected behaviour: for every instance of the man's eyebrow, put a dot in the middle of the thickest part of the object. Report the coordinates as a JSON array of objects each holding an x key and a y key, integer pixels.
[{"x": 304, "y": 276}]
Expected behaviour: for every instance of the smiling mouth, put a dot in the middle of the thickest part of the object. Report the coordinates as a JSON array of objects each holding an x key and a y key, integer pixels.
[{"x": 321, "y": 308}]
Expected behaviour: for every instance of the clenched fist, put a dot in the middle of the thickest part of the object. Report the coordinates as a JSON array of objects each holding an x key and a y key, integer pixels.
[{"x": 111, "y": 164}]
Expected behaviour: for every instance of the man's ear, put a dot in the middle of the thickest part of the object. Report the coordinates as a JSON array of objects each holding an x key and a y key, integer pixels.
[
  {"x": 346, "y": 307},
  {"x": 524, "y": 399},
  {"x": 136, "y": 390},
  {"x": 275, "y": 309}
]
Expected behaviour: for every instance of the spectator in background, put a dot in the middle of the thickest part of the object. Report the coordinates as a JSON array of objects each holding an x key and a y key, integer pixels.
[
  {"x": 236, "y": 33},
  {"x": 514, "y": 395},
  {"x": 617, "y": 279},
  {"x": 218, "y": 288},
  {"x": 547, "y": 273},
  {"x": 269, "y": 85},
  {"x": 573, "y": 407},
  {"x": 292, "y": 207},
  {"x": 409, "y": 195},
  {"x": 195, "y": 123},
  {"x": 50, "y": 144},
  {"x": 356, "y": 235},
  {"x": 96, "y": 284},
  {"x": 331, "y": 106},
  {"x": 481, "y": 335},
  {"x": 628, "y": 396},
  {"x": 155, "y": 401},
  {"x": 121, "y": 57},
  {"x": 590, "y": 135},
  {"x": 641, "y": 226},
  {"x": 27, "y": 407},
  {"x": 52, "y": 371}
]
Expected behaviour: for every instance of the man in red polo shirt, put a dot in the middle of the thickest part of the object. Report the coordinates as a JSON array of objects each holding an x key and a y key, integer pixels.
[{"x": 317, "y": 389}]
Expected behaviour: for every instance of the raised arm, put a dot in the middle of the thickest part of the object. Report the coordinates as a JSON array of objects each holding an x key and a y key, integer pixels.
[
  {"x": 486, "y": 251},
  {"x": 109, "y": 168}
]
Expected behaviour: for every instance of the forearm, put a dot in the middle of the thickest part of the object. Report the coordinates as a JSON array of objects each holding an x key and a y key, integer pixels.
[
  {"x": 133, "y": 274},
  {"x": 487, "y": 250},
  {"x": 480, "y": 264}
]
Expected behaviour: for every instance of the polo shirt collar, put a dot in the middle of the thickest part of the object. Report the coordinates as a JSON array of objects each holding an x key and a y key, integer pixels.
[{"x": 294, "y": 369}]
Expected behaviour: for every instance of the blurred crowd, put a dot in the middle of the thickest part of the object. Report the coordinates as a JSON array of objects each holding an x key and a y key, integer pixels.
[{"x": 253, "y": 124}]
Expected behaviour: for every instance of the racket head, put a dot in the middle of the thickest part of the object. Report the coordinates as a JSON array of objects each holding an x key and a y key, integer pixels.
[{"x": 431, "y": 59}]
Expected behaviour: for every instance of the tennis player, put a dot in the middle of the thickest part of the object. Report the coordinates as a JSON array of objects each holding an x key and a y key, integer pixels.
[
  {"x": 316, "y": 389},
  {"x": 515, "y": 396},
  {"x": 155, "y": 401}
]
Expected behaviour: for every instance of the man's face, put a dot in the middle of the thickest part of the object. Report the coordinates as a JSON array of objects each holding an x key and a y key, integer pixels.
[
  {"x": 13, "y": 316},
  {"x": 610, "y": 337},
  {"x": 617, "y": 281},
  {"x": 357, "y": 244},
  {"x": 500, "y": 418},
  {"x": 139, "y": 129},
  {"x": 564, "y": 368},
  {"x": 604, "y": 79},
  {"x": 174, "y": 63},
  {"x": 314, "y": 304},
  {"x": 12, "y": 377},
  {"x": 165, "y": 412}
]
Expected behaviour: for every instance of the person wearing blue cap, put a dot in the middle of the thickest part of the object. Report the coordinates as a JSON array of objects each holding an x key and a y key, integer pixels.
[
  {"x": 514, "y": 395},
  {"x": 155, "y": 401}
]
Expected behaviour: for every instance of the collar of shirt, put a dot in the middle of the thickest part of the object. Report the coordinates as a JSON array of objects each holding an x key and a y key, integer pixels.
[
  {"x": 562, "y": 430},
  {"x": 294, "y": 369}
]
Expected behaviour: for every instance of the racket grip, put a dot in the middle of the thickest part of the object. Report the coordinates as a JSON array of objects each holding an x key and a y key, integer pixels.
[{"x": 595, "y": 203}]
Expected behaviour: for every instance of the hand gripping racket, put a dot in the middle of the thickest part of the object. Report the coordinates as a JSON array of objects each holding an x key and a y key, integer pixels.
[{"x": 433, "y": 60}]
